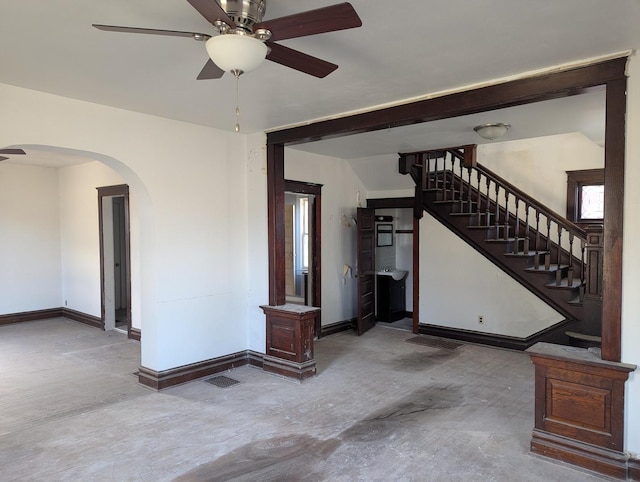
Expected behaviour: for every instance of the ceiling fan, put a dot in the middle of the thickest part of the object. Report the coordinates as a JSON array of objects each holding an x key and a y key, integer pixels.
[
  {"x": 10, "y": 152},
  {"x": 243, "y": 39}
]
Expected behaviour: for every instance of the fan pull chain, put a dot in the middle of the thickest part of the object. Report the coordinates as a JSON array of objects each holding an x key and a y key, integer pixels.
[{"x": 237, "y": 75}]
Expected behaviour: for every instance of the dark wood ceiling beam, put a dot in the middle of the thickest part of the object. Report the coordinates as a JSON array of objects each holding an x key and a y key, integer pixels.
[{"x": 549, "y": 86}]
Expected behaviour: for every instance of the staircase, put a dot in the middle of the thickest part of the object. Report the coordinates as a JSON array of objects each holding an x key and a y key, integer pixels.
[{"x": 543, "y": 251}]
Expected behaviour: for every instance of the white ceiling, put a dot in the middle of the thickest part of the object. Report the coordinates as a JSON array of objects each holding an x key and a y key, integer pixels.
[{"x": 403, "y": 50}]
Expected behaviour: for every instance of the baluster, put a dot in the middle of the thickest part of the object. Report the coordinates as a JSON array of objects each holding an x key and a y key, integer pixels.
[
  {"x": 559, "y": 256},
  {"x": 570, "y": 268},
  {"x": 479, "y": 196},
  {"x": 507, "y": 214},
  {"x": 469, "y": 197},
  {"x": 537, "y": 258},
  {"x": 425, "y": 172},
  {"x": 497, "y": 213},
  {"x": 516, "y": 229},
  {"x": 525, "y": 247},
  {"x": 488, "y": 209},
  {"x": 583, "y": 268},
  {"x": 547, "y": 255},
  {"x": 443, "y": 177},
  {"x": 460, "y": 186},
  {"x": 461, "y": 190}
]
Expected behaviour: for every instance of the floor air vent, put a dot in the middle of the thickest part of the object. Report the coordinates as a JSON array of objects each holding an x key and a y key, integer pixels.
[
  {"x": 221, "y": 381},
  {"x": 434, "y": 342}
]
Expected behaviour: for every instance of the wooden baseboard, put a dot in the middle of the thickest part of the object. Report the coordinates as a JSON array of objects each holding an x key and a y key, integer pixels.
[
  {"x": 334, "y": 328},
  {"x": 633, "y": 469},
  {"x": 512, "y": 343},
  {"x": 194, "y": 371},
  {"x": 90, "y": 320},
  {"x": 587, "y": 456},
  {"x": 289, "y": 369},
  {"x": 135, "y": 334},
  {"x": 30, "y": 316}
]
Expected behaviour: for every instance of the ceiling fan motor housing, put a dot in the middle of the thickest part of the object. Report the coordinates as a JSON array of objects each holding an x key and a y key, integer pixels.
[{"x": 245, "y": 13}]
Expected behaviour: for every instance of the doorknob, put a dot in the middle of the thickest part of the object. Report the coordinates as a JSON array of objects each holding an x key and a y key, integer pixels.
[{"x": 117, "y": 265}]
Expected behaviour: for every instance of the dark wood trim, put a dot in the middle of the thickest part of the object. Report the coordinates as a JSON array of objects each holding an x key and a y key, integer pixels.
[
  {"x": 120, "y": 190},
  {"x": 501, "y": 341},
  {"x": 255, "y": 359},
  {"x": 339, "y": 326},
  {"x": 391, "y": 203},
  {"x": 301, "y": 187},
  {"x": 633, "y": 470},
  {"x": 508, "y": 94},
  {"x": 36, "y": 315},
  {"x": 614, "y": 159},
  {"x": 575, "y": 181},
  {"x": 275, "y": 220},
  {"x": 591, "y": 457},
  {"x": 135, "y": 334},
  {"x": 404, "y": 231},
  {"x": 292, "y": 370},
  {"x": 187, "y": 373},
  {"x": 416, "y": 276},
  {"x": 90, "y": 320},
  {"x": 30, "y": 316}
]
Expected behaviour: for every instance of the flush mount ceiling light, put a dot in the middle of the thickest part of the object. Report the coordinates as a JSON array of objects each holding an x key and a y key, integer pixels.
[{"x": 492, "y": 131}]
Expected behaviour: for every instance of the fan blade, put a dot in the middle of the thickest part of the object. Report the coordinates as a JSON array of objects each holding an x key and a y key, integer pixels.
[
  {"x": 312, "y": 22},
  {"x": 212, "y": 11},
  {"x": 210, "y": 71},
  {"x": 152, "y": 31},
  {"x": 3, "y": 158},
  {"x": 11, "y": 151},
  {"x": 299, "y": 61}
]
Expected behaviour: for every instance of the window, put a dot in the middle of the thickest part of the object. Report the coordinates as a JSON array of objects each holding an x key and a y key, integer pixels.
[
  {"x": 585, "y": 196},
  {"x": 303, "y": 223}
]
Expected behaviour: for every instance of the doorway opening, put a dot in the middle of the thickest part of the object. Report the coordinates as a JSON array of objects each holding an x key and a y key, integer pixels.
[
  {"x": 115, "y": 258},
  {"x": 302, "y": 224}
]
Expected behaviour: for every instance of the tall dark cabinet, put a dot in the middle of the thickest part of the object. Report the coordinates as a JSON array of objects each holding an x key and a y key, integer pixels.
[{"x": 391, "y": 298}]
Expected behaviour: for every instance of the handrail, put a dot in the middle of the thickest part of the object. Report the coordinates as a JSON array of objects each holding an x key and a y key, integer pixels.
[{"x": 549, "y": 213}]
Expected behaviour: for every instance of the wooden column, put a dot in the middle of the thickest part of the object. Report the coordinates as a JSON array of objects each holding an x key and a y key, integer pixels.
[
  {"x": 290, "y": 340},
  {"x": 579, "y": 408}
]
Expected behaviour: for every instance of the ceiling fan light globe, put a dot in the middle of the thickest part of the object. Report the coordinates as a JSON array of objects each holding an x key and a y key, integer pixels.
[{"x": 236, "y": 52}]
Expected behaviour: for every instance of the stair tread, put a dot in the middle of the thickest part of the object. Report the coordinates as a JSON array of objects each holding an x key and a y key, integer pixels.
[
  {"x": 564, "y": 284},
  {"x": 503, "y": 240},
  {"x": 522, "y": 254},
  {"x": 583, "y": 336},
  {"x": 542, "y": 269}
]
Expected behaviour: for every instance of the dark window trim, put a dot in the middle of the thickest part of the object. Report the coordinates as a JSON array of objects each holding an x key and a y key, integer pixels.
[{"x": 575, "y": 181}]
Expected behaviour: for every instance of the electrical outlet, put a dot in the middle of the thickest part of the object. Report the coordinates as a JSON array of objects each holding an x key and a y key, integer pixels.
[{"x": 480, "y": 319}]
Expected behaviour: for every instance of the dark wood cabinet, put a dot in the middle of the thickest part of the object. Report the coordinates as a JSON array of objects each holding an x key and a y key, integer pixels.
[{"x": 391, "y": 299}]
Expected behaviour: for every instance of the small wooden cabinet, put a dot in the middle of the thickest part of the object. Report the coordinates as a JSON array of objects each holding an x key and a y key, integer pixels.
[{"x": 391, "y": 304}]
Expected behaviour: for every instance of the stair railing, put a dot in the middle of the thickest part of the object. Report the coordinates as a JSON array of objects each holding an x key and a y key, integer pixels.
[{"x": 507, "y": 211}]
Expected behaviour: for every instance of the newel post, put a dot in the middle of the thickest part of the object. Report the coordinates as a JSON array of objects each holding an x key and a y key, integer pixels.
[{"x": 592, "y": 303}]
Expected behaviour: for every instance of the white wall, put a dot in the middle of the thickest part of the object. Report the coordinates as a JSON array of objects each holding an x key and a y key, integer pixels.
[
  {"x": 457, "y": 285},
  {"x": 538, "y": 166},
  {"x": 339, "y": 196},
  {"x": 190, "y": 185},
  {"x": 80, "y": 248},
  {"x": 631, "y": 258},
  {"x": 30, "y": 248}
]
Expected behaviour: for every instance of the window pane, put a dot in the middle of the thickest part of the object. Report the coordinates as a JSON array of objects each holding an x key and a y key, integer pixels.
[{"x": 592, "y": 205}]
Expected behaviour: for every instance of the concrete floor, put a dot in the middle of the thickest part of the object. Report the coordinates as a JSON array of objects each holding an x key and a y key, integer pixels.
[{"x": 380, "y": 409}]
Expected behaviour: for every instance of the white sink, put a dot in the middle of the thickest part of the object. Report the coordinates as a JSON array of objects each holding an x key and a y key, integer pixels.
[{"x": 396, "y": 274}]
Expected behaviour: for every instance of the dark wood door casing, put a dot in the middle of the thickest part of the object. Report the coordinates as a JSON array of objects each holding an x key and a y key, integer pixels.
[
  {"x": 107, "y": 191},
  {"x": 366, "y": 270},
  {"x": 609, "y": 74}
]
